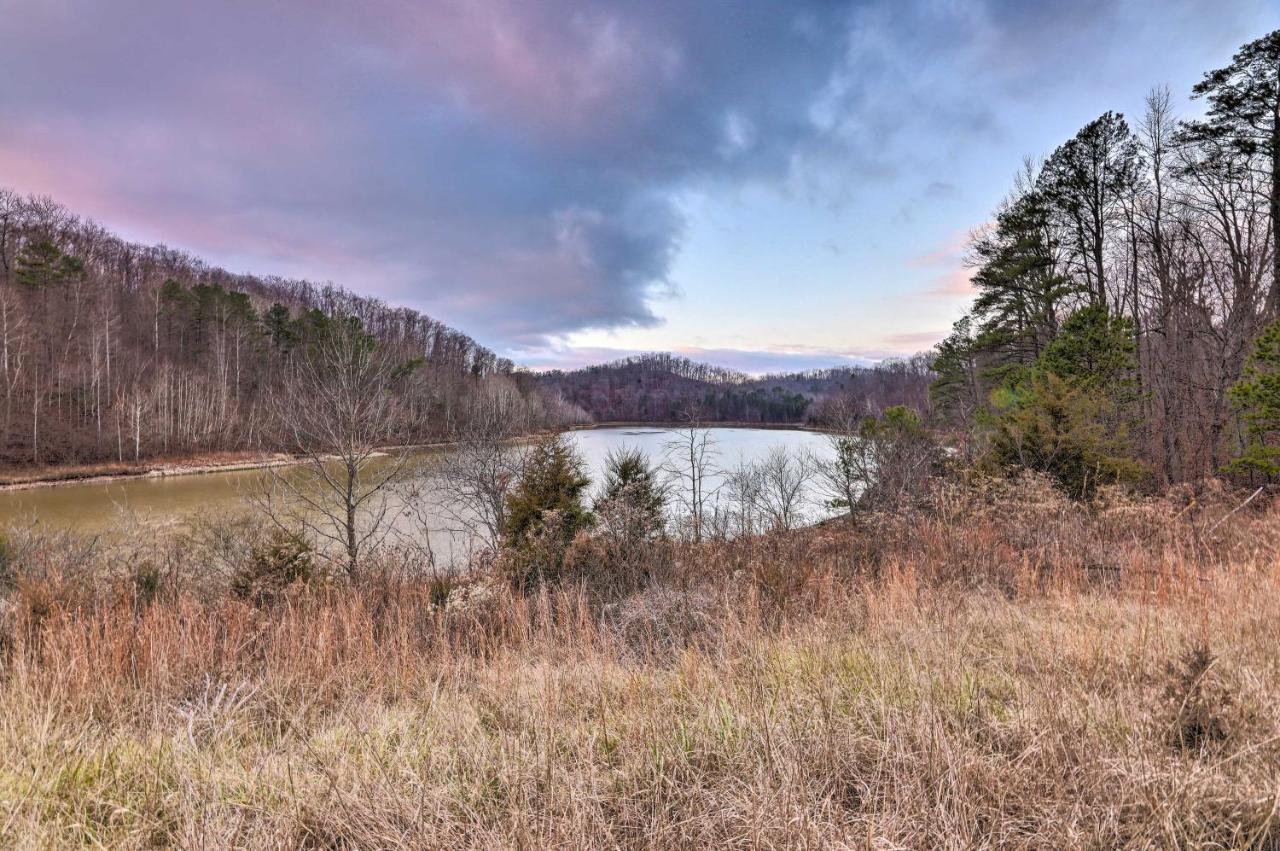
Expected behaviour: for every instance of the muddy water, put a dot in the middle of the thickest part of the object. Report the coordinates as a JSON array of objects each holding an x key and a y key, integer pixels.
[{"x": 116, "y": 506}]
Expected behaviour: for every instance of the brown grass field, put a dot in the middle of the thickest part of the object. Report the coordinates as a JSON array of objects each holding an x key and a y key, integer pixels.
[{"x": 1002, "y": 669}]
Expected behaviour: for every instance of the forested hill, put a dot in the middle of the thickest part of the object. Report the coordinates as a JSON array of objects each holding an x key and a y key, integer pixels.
[
  {"x": 111, "y": 350},
  {"x": 664, "y": 387}
]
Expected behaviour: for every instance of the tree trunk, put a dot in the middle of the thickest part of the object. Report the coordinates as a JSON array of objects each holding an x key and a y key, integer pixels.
[{"x": 1273, "y": 300}]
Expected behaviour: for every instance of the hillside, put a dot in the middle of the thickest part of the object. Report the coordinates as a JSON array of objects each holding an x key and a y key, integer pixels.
[
  {"x": 114, "y": 351},
  {"x": 662, "y": 387}
]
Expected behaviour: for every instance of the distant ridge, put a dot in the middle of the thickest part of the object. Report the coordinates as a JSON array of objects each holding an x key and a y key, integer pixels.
[{"x": 661, "y": 387}]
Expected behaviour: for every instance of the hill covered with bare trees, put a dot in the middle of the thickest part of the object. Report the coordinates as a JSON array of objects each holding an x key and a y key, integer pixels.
[
  {"x": 662, "y": 387},
  {"x": 113, "y": 351}
]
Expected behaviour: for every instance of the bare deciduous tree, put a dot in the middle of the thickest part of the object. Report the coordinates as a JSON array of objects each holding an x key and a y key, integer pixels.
[
  {"x": 336, "y": 412},
  {"x": 739, "y": 513},
  {"x": 468, "y": 486},
  {"x": 690, "y": 465},
  {"x": 785, "y": 479}
]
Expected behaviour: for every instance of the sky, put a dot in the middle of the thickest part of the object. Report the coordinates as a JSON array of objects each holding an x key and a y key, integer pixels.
[{"x": 763, "y": 184}]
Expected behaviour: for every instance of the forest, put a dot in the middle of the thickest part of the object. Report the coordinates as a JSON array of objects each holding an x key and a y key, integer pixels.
[
  {"x": 664, "y": 388},
  {"x": 112, "y": 351},
  {"x": 1124, "y": 291}
]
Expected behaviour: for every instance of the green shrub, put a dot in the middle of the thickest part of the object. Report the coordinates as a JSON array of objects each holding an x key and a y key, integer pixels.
[{"x": 1068, "y": 432}]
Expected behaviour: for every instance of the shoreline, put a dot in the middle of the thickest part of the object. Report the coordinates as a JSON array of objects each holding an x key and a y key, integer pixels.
[
  {"x": 669, "y": 426},
  {"x": 194, "y": 467},
  {"x": 201, "y": 465}
]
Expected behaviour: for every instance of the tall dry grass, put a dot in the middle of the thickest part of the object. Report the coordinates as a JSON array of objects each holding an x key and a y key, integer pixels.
[{"x": 1004, "y": 669}]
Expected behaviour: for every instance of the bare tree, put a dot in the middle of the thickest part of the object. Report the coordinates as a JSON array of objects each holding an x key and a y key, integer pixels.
[
  {"x": 335, "y": 411},
  {"x": 469, "y": 484},
  {"x": 690, "y": 465},
  {"x": 739, "y": 514},
  {"x": 785, "y": 479}
]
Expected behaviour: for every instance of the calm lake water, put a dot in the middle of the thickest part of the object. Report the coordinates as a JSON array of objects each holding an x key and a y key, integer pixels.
[{"x": 105, "y": 507}]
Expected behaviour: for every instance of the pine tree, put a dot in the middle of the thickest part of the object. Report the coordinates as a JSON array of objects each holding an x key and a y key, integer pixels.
[
  {"x": 1243, "y": 122},
  {"x": 1049, "y": 425},
  {"x": 1094, "y": 350},
  {"x": 1084, "y": 183},
  {"x": 279, "y": 327},
  {"x": 545, "y": 511},
  {"x": 956, "y": 391},
  {"x": 1257, "y": 397},
  {"x": 631, "y": 485},
  {"x": 42, "y": 265},
  {"x": 1020, "y": 289}
]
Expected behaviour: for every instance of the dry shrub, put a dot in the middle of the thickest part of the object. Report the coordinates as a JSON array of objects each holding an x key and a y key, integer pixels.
[
  {"x": 660, "y": 620},
  {"x": 621, "y": 555},
  {"x": 273, "y": 566},
  {"x": 789, "y": 572},
  {"x": 1203, "y": 710}
]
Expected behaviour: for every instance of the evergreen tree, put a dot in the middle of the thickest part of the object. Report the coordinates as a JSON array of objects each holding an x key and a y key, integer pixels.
[
  {"x": 42, "y": 264},
  {"x": 1095, "y": 351},
  {"x": 545, "y": 511},
  {"x": 631, "y": 485},
  {"x": 279, "y": 327},
  {"x": 178, "y": 306},
  {"x": 1257, "y": 397},
  {"x": 1243, "y": 123},
  {"x": 1085, "y": 183},
  {"x": 1020, "y": 290},
  {"x": 956, "y": 391},
  {"x": 1049, "y": 425},
  {"x": 41, "y": 267},
  {"x": 1069, "y": 415}
]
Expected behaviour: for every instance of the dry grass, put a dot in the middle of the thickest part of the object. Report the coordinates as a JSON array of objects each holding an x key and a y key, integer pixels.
[{"x": 1005, "y": 670}]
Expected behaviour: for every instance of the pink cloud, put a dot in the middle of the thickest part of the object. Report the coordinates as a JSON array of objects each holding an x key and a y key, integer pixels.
[
  {"x": 946, "y": 253},
  {"x": 915, "y": 340},
  {"x": 588, "y": 75},
  {"x": 952, "y": 277},
  {"x": 956, "y": 283}
]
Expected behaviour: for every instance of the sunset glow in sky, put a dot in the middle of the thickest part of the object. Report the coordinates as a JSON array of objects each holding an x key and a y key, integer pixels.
[{"x": 765, "y": 185}]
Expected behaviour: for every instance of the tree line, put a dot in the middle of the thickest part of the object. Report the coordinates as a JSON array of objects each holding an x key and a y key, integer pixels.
[
  {"x": 114, "y": 351},
  {"x": 1123, "y": 290}
]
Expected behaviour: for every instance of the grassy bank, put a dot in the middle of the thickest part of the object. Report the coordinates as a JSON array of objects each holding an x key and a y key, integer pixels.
[{"x": 1004, "y": 669}]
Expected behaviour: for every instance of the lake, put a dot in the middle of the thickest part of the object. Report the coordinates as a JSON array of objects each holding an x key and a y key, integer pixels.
[{"x": 103, "y": 507}]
